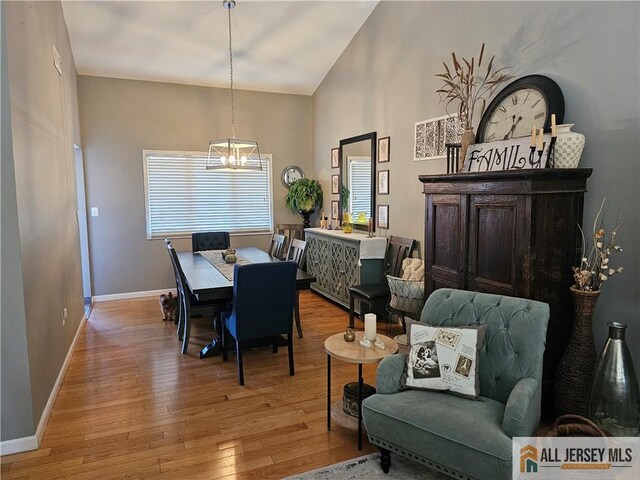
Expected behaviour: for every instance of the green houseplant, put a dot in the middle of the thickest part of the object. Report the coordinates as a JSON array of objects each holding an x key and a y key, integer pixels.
[{"x": 303, "y": 196}]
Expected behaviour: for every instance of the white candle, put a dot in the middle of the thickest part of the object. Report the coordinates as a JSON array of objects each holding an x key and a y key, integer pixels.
[
  {"x": 541, "y": 140},
  {"x": 553, "y": 125},
  {"x": 370, "y": 326}
]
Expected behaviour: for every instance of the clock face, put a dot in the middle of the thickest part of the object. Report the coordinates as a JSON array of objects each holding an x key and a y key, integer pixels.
[
  {"x": 527, "y": 102},
  {"x": 516, "y": 115}
]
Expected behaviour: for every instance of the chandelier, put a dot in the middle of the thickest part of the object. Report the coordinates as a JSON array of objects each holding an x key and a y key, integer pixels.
[{"x": 232, "y": 153}]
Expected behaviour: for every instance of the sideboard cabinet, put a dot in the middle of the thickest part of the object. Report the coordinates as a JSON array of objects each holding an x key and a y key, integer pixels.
[
  {"x": 339, "y": 260},
  {"x": 511, "y": 233}
]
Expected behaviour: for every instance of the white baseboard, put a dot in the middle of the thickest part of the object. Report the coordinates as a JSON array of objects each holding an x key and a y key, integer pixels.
[
  {"x": 25, "y": 444},
  {"x": 128, "y": 295},
  {"x": 18, "y": 445}
]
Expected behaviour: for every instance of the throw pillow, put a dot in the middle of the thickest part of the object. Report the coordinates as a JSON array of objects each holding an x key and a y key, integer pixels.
[{"x": 443, "y": 358}]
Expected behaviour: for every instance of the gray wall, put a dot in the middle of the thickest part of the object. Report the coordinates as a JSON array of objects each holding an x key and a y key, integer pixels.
[
  {"x": 120, "y": 118},
  {"x": 44, "y": 124},
  {"x": 16, "y": 412},
  {"x": 385, "y": 81}
]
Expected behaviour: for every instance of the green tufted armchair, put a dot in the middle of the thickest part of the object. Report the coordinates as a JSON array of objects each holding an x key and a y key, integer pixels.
[{"x": 466, "y": 439}]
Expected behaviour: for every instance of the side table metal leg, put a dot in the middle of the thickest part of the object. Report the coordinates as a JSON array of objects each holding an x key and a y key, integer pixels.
[
  {"x": 359, "y": 406},
  {"x": 328, "y": 392}
]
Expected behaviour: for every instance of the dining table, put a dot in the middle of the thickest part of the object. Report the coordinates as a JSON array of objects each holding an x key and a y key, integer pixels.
[{"x": 207, "y": 283}]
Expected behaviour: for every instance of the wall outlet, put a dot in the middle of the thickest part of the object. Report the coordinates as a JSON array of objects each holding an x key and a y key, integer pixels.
[
  {"x": 65, "y": 314},
  {"x": 94, "y": 211}
]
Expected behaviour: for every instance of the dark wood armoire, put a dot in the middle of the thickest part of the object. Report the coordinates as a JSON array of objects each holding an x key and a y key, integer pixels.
[{"x": 512, "y": 233}]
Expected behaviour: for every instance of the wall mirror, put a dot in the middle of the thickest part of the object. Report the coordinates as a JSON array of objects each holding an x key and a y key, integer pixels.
[{"x": 357, "y": 179}]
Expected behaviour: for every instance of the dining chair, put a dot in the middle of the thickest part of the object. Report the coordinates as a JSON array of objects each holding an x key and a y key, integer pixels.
[
  {"x": 178, "y": 294},
  {"x": 202, "y": 241},
  {"x": 263, "y": 301},
  {"x": 291, "y": 231},
  {"x": 277, "y": 245},
  {"x": 189, "y": 305},
  {"x": 397, "y": 250},
  {"x": 296, "y": 254}
]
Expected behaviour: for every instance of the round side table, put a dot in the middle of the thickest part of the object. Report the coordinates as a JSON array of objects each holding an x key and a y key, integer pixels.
[{"x": 353, "y": 352}]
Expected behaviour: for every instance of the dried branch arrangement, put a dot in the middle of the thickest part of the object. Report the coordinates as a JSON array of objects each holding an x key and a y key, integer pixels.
[
  {"x": 594, "y": 268},
  {"x": 466, "y": 83}
]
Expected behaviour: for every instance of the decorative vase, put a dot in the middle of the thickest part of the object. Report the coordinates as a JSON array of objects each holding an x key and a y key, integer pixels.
[
  {"x": 572, "y": 383},
  {"x": 468, "y": 138},
  {"x": 568, "y": 147},
  {"x": 347, "y": 224},
  {"x": 615, "y": 400},
  {"x": 305, "y": 217}
]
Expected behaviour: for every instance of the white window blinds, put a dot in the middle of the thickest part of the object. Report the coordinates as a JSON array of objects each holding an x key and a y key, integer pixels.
[
  {"x": 182, "y": 197},
  {"x": 360, "y": 177}
]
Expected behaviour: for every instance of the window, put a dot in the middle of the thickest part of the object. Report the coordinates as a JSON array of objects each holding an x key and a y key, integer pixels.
[
  {"x": 182, "y": 197},
  {"x": 360, "y": 176}
]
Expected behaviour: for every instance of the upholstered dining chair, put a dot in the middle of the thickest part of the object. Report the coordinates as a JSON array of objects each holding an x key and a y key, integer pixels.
[
  {"x": 463, "y": 438},
  {"x": 397, "y": 250},
  {"x": 189, "y": 305},
  {"x": 276, "y": 248},
  {"x": 202, "y": 241},
  {"x": 296, "y": 254},
  {"x": 263, "y": 301}
]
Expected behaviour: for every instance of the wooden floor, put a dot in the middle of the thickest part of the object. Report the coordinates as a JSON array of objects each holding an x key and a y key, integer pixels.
[{"x": 131, "y": 406}]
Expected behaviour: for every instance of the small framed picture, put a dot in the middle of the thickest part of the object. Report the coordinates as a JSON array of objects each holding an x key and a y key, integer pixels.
[
  {"x": 335, "y": 211},
  {"x": 335, "y": 157},
  {"x": 383, "y": 182},
  {"x": 383, "y": 216},
  {"x": 335, "y": 184},
  {"x": 384, "y": 149}
]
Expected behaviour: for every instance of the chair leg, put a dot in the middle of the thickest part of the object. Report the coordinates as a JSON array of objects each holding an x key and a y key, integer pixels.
[
  {"x": 240, "y": 370},
  {"x": 385, "y": 459},
  {"x": 290, "y": 349},
  {"x": 180, "y": 316},
  {"x": 224, "y": 337},
  {"x": 296, "y": 313},
  {"x": 187, "y": 327},
  {"x": 352, "y": 308},
  {"x": 275, "y": 344}
]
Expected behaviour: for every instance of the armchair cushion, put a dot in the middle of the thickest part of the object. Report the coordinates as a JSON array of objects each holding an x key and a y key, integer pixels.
[
  {"x": 523, "y": 409},
  {"x": 445, "y": 429},
  {"x": 389, "y": 373}
]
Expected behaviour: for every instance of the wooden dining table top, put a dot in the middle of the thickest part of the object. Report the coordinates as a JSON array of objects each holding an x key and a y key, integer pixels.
[{"x": 207, "y": 283}]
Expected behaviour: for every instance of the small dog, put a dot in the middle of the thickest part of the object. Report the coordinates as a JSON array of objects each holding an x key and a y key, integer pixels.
[{"x": 169, "y": 306}]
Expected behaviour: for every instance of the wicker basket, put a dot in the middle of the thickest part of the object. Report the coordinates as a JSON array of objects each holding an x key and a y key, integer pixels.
[
  {"x": 575, "y": 426},
  {"x": 406, "y": 295}
]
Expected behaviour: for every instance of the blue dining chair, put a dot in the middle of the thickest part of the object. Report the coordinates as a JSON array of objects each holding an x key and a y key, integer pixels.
[{"x": 263, "y": 300}]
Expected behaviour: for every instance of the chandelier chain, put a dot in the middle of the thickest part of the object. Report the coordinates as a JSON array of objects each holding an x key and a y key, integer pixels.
[{"x": 233, "y": 115}]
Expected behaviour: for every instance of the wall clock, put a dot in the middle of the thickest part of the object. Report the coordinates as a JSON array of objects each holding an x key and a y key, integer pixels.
[
  {"x": 290, "y": 174},
  {"x": 522, "y": 104}
]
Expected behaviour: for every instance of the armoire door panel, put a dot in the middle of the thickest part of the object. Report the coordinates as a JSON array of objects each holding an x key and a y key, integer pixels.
[
  {"x": 445, "y": 234},
  {"x": 495, "y": 251}
]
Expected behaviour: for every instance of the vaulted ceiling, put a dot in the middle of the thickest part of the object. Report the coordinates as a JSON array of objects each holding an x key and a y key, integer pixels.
[{"x": 278, "y": 46}]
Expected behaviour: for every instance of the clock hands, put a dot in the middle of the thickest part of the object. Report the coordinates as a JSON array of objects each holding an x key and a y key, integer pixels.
[{"x": 513, "y": 127}]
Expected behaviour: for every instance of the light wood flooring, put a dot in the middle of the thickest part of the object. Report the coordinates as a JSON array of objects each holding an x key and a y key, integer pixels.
[{"x": 131, "y": 406}]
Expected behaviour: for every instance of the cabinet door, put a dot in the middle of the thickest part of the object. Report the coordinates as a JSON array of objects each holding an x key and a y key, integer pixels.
[
  {"x": 317, "y": 260},
  {"x": 445, "y": 241},
  {"x": 351, "y": 257},
  {"x": 336, "y": 269},
  {"x": 497, "y": 235}
]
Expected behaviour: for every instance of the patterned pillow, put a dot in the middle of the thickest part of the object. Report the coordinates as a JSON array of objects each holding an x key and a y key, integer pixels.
[{"x": 443, "y": 358}]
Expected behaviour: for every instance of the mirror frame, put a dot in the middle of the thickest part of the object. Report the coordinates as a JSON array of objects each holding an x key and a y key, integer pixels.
[{"x": 373, "y": 136}]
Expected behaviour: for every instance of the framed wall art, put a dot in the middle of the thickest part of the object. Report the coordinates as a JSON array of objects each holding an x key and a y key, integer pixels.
[
  {"x": 335, "y": 184},
  {"x": 335, "y": 210},
  {"x": 384, "y": 149},
  {"x": 432, "y": 135},
  {"x": 383, "y": 216},
  {"x": 383, "y": 182},
  {"x": 335, "y": 157}
]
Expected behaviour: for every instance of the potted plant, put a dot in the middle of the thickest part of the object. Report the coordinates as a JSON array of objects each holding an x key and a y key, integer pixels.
[{"x": 303, "y": 196}]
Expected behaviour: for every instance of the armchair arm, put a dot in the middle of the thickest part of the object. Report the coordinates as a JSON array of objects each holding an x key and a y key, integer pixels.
[
  {"x": 522, "y": 412},
  {"x": 389, "y": 372}
]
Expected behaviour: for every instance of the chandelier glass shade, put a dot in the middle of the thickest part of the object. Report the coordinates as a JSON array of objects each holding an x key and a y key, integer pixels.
[{"x": 231, "y": 153}]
